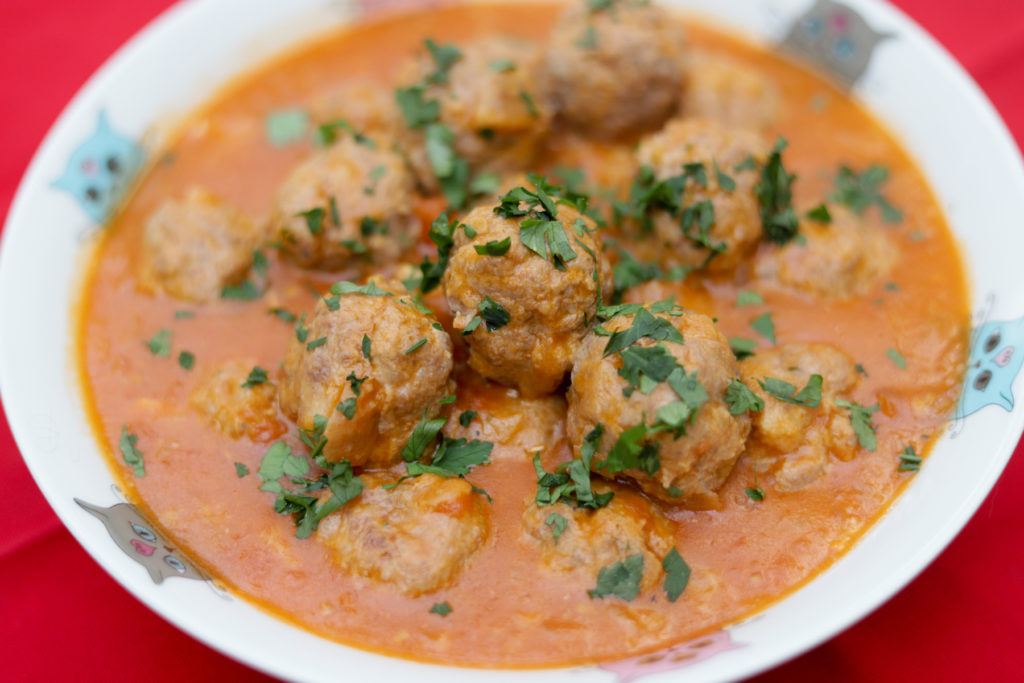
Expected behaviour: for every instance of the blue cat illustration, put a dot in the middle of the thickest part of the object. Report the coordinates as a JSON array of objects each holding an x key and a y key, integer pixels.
[
  {"x": 100, "y": 170},
  {"x": 835, "y": 38},
  {"x": 141, "y": 542},
  {"x": 997, "y": 353}
]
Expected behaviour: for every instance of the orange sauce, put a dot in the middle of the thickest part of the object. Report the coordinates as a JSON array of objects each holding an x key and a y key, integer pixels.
[{"x": 508, "y": 610}]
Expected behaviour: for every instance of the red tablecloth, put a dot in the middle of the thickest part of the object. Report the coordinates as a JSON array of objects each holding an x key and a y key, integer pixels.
[{"x": 63, "y": 618}]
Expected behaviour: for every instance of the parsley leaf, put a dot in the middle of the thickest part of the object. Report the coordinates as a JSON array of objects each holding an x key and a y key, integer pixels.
[
  {"x": 860, "y": 418},
  {"x": 645, "y": 367},
  {"x": 369, "y": 289},
  {"x": 494, "y": 248},
  {"x": 809, "y": 396},
  {"x": 629, "y": 272},
  {"x": 558, "y": 523},
  {"x": 467, "y": 417},
  {"x": 160, "y": 344},
  {"x": 441, "y": 608},
  {"x": 677, "y": 574},
  {"x": 423, "y": 434},
  {"x": 314, "y": 220},
  {"x": 775, "y": 197},
  {"x": 570, "y": 482},
  {"x": 493, "y": 314},
  {"x": 187, "y": 360},
  {"x": 415, "y": 346},
  {"x": 256, "y": 376},
  {"x": 284, "y": 315},
  {"x": 348, "y": 407},
  {"x": 644, "y": 324},
  {"x": 764, "y": 326},
  {"x": 897, "y": 358},
  {"x": 742, "y": 347},
  {"x": 130, "y": 452},
  {"x": 365, "y": 347},
  {"x": 621, "y": 579},
  {"x": 820, "y": 214},
  {"x": 910, "y": 461},
  {"x": 547, "y": 239},
  {"x": 417, "y": 111},
  {"x": 858, "y": 191},
  {"x": 442, "y": 234},
  {"x": 741, "y": 399},
  {"x": 241, "y": 469},
  {"x": 445, "y": 57},
  {"x": 755, "y": 494},
  {"x": 747, "y": 297},
  {"x": 632, "y": 450}
]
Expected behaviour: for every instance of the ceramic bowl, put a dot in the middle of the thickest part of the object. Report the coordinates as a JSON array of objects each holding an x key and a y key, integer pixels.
[{"x": 898, "y": 71}]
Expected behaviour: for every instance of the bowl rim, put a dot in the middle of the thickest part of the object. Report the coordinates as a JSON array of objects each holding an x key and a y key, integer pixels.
[{"x": 186, "y": 11}]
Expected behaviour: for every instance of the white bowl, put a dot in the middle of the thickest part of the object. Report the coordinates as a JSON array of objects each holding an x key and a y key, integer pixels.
[{"x": 911, "y": 83}]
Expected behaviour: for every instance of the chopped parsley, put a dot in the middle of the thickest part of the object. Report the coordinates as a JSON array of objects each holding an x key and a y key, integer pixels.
[
  {"x": 241, "y": 469},
  {"x": 301, "y": 331},
  {"x": 160, "y": 343},
  {"x": 415, "y": 346},
  {"x": 493, "y": 314},
  {"x": 540, "y": 231},
  {"x": 316, "y": 343},
  {"x": 632, "y": 450},
  {"x": 256, "y": 376},
  {"x": 441, "y": 608},
  {"x": 775, "y": 197},
  {"x": 677, "y": 574},
  {"x": 423, "y": 434},
  {"x": 365, "y": 347},
  {"x": 467, "y": 417},
  {"x": 742, "y": 347},
  {"x": 502, "y": 65},
  {"x": 130, "y": 452},
  {"x": 809, "y": 396},
  {"x": 348, "y": 407},
  {"x": 247, "y": 290},
  {"x": 897, "y": 358},
  {"x": 494, "y": 248},
  {"x": 621, "y": 579},
  {"x": 859, "y": 191},
  {"x": 764, "y": 326},
  {"x": 820, "y": 214},
  {"x": 284, "y": 315},
  {"x": 327, "y": 133},
  {"x": 741, "y": 399},
  {"x": 628, "y": 272},
  {"x": 442, "y": 234},
  {"x": 644, "y": 325},
  {"x": 445, "y": 57},
  {"x": 570, "y": 482},
  {"x": 755, "y": 494},
  {"x": 910, "y": 461},
  {"x": 748, "y": 297},
  {"x": 417, "y": 111},
  {"x": 644, "y": 367},
  {"x": 187, "y": 360},
  {"x": 558, "y": 523},
  {"x": 860, "y": 418},
  {"x": 531, "y": 107},
  {"x": 369, "y": 289},
  {"x": 355, "y": 382},
  {"x": 314, "y": 220},
  {"x": 184, "y": 315},
  {"x": 588, "y": 41}
]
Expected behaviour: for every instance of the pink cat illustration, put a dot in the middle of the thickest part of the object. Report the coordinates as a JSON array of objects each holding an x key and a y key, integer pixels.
[{"x": 676, "y": 657}]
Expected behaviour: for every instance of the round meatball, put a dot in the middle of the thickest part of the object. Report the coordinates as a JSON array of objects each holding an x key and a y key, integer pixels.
[
  {"x": 348, "y": 203},
  {"x": 236, "y": 407},
  {"x": 195, "y": 246},
  {"x": 838, "y": 260},
  {"x": 373, "y": 365},
  {"x": 730, "y": 92},
  {"x": 792, "y": 441},
  {"x": 675, "y": 237},
  {"x": 417, "y": 536},
  {"x": 655, "y": 411},
  {"x": 594, "y": 539},
  {"x": 615, "y": 70},
  {"x": 528, "y": 311},
  {"x": 490, "y": 103}
]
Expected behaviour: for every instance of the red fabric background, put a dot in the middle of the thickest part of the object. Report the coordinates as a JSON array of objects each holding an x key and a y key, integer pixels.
[{"x": 63, "y": 618}]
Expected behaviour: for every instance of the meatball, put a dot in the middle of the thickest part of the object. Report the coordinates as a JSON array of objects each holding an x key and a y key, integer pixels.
[
  {"x": 534, "y": 308},
  {"x": 655, "y": 411},
  {"x": 373, "y": 365},
  {"x": 696, "y": 152},
  {"x": 615, "y": 70},
  {"x": 794, "y": 441},
  {"x": 195, "y": 246},
  {"x": 729, "y": 92},
  {"x": 365, "y": 107},
  {"x": 595, "y": 539},
  {"x": 350, "y": 202},
  {"x": 489, "y": 102},
  {"x": 236, "y": 407},
  {"x": 837, "y": 260},
  {"x": 417, "y": 536}
]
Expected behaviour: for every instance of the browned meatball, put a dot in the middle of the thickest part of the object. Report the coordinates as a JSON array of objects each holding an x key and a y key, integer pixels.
[
  {"x": 794, "y": 441},
  {"x": 594, "y": 539},
  {"x": 730, "y": 92},
  {"x": 236, "y": 407},
  {"x": 489, "y": 101},
  {"x": 417, "y": 536},
  {"x": 373, "y": 393},
  {"x": 529, "y": 311},
  {"x": 674, "y": 238},
  {"x": 832, "y": 261},
  {"x": 195, "y": 246},
  {"x": 350, "y": 202},
  {"x": 658, "y": 406},
  {"x": 617, "y": 69}
]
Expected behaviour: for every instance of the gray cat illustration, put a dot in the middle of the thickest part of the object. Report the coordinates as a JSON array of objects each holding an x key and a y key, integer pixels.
[
  {"x": 835, "y": 38},
  {"x": 141, "y": 542}
]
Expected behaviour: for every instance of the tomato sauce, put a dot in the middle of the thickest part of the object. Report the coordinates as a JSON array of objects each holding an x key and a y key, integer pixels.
[{"x": 508, "y": 609}]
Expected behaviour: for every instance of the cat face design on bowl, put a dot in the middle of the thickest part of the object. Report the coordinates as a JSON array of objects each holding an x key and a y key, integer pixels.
[
  {"x": 836, "y": 38},
  {"x": 100, "y": 170},
  {"x": 672, "y": 658},
  {"x": 997, "y": 354},
  {"x": 143, "y": 543}
]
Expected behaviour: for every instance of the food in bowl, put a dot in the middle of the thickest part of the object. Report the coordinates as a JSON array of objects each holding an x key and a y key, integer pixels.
[{"x": 457, "y": 338}]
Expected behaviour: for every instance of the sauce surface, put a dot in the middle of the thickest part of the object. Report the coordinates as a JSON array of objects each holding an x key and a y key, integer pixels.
[{"x": 508, "y": 609}]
